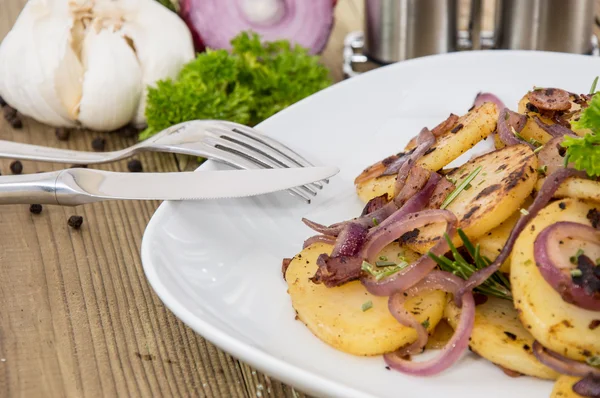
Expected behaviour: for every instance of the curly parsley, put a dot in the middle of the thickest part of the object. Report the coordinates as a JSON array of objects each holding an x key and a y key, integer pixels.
[{"x": 246, "y": 85}]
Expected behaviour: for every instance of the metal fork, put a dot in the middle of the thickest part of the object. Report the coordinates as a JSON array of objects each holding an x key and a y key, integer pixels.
[{"x": 237, "y": 145}]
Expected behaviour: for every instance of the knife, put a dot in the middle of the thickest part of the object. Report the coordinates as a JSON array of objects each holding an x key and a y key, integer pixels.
[{"x": 76, "y": 186}]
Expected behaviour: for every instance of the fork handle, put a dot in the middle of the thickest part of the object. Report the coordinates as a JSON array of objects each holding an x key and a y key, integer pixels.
[
  {"x": 16, "y": 150},
  {"x": 37, "y": 188}
]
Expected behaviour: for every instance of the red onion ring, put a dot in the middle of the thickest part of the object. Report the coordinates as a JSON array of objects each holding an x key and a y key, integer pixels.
[
  {"x": 508, "y": 119},
  {"x": 547, "y": 257},
  {"x": 391, "y": 229},
  {"x": 456, "y": 345},
  {"x": 555, "y": 130},
  {"x": 330, "y": 240},
  {"x": 216, "y": 22},
  {"x": 350, "y": 241},
  {"x": 482, "y": 98},
  {"x": 561, "y": 364},
  {"x": 589, "y": 386},
  {"x": 544, "y": 196},
  {"x": 425, "y": 141}
]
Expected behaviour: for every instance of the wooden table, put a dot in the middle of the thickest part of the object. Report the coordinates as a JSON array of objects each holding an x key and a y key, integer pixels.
[{"x": 77, "y": 316}]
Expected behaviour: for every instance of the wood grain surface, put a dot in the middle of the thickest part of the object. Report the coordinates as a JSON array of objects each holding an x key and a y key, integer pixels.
[{"x": 77, "y": 316}]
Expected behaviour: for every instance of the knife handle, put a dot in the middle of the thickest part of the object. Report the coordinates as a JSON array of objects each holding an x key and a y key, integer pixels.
[{"x": 37, "y": 188}]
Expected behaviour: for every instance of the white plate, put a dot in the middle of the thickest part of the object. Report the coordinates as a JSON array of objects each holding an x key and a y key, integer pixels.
[{"x": 217, "y": 264}]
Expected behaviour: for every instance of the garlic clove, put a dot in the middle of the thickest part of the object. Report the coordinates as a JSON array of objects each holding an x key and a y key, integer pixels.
[
  {"x": 112, "y": 82},
  {"x": 160, "y": 52},
  {"x": 29, "y": 57}
]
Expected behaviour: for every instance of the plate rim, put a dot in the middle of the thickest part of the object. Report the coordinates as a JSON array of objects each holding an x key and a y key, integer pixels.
[{"x": 292, "y": 375}]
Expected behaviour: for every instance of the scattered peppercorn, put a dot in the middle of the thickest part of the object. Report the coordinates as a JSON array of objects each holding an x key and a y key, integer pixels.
[
  {"x": 35, "y": 208},
  {"x": 16, "y": 167},
  {"x": 135, "y": 166},
  {"x": 9, "y": 112},
  {"x": 11, "y": 116},
  {"x": 75, "y": 222},
  {"x": 62, "y": 133},
  {"x": 2, "y": 102},
  {"x": 128, "y": 131},
  {"x": 98, "y": 144}
]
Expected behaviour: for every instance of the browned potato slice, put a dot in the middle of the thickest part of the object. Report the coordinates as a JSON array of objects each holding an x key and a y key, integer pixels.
[
  {"x": 499, "y": 337},
  {"x": 506, "y": 179},
  {"x": 335, "y": 315},
  {"x": 563, "y": 388},
  {"x": 579, "y": 188}
]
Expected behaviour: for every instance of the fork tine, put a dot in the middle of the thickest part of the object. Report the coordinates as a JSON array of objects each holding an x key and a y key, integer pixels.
[
  {"x": 241, "y": 151},
  {"x": 239, "y": 162},
  {"x": 268, "y": 141},
  {"x": 259, "y": 147}
]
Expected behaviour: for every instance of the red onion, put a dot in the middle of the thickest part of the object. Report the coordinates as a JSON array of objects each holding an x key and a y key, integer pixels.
[
  {"x": 350, "y": 241},
  {"x": 393, "y": 228},
  {"x": 589, "y": 386},
  {"x": 425, "y": 141},
  {"x": 551, "y": 264},
  {"x": 216, "y": 22},
  {"x": 393, "y": 167},
  {"x": 544, "y": 196},
  {"x": 375, "y": 204},
  {"x": 481, "y": 98},
  {"x": 507, "y": 121},
  {"x": 555, "y": 130},
  {"x": 436, "y": 280},
  {"x": 550, "y": 157},
  {"x": 562, "y": 364},
  {"x": 319, "y": 238},
  {"x": 417, "y": 178}
]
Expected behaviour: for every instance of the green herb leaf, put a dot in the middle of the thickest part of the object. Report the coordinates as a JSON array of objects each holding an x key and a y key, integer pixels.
[
  {"x": 460, "y": 187},
  {"x": 425, "y": 323},
  {"x": 593, "y": 88},
  {"x": 575, "y": 258},
  {"x": 245, "y": 85},
  {"x": 375, "y": 222},
  {"x": 595, "y": 360},
  {"x": 497, "y": 285},
  {"x": 584, "y": 152},
  {"x": 383, "y": 258},
  {"x": 536, "y": 150},
  {"x": 524, "y": 212},
  {"x": 575, "y": 273},
  {"x": 367, "y": 305},
  {"x": 542, "y": 169},
  {"x": 384, "y": 263}
]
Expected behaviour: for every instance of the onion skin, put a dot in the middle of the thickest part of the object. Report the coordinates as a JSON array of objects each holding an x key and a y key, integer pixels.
[
  {"x": 547, "y": 258},
  {"x": 482, "y": 98},
  {"x": 562, "y": 364},
  {"x": 425, "y": 141},
  {"x": 544, "y": 196},
  {"x": 215, "y": 22},
  {"x": 589, "y": 386},
  {"x": 555, "y": 130},
  {"x": 459, "y": 342},
  {"x": 319, "y": 238},
  {"x": 393, "y": 228},
  {"x": 508, "y": 119}
]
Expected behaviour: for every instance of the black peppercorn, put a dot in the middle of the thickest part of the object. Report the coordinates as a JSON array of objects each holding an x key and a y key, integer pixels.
[
  {"x": 35, "y": 209},
  {"x": 16, "y": 167},
  {"x": 98, "y": 144},
  {"x": 9, "y": 112},
  {"x": 62, "y": 133},
  {"x": 135, "y": 166},
  {"x": 16, "y": 123},
  {"x": 2, "y": 102},
  {"x": 128, "y": 131},
  {"x": 75, "y": 222}
]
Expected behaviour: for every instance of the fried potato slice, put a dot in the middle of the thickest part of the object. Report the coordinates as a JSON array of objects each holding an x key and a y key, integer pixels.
[
  {"x": 499, "y": 337},
  {"x": 506, "y": 179},
  {"x": 476, "y": 125},
  {"x": 563, "y": 388},
  {"x": 574, "y": 187},
  {"x": 556, "y": 324},
  {"x": 335, "y": 315}
]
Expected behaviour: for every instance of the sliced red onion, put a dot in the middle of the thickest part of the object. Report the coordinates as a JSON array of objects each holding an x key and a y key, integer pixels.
[
  {"x": 335, "y": 271},
  {"x": 550, "y": 262},
  {"x": 333, "y": 230},
  {"x": 555, "y": 130},
  {"x": 350, "y": 241},
  {"x": 375, "y": 204},
  {"x": 394, "y": 227},
  {"x": 216, "y": 22},
  {"x": 544, "y": 196},
  {"x": 561, "y": 364},
  {"x": 482, "y": 98},
  {"x": 393, "y": 167},
  {"x": 441, "y": 192},
  {"x": 459, "y": 342},
  {"x": 380, "y": 168},
  {"x": 330, "y": 240},
  {"x": 550, "y": 99},
  {"x": 550, "y": 155},
  {"x": 507, "y": 121},
  {"x": 589, "y": 386},
  {"x": 425, "y": 141},
  {"x": 417, "y": 178}
]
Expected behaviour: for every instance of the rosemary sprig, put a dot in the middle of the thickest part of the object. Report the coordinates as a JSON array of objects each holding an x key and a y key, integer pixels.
[{"x": 496, "y": 285}]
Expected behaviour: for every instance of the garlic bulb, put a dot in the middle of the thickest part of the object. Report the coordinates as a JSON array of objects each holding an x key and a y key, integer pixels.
[{"x": 88, "y": 63}]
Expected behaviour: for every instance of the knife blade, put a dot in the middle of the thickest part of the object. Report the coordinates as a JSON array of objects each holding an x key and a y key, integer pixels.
[{"x": 91, "y": 185}]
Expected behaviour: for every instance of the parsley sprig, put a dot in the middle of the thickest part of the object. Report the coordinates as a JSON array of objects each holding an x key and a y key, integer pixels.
[
  {"x": 584, "y": 152},
  {"x": 496, "y": 285}
]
